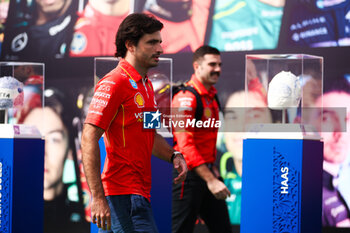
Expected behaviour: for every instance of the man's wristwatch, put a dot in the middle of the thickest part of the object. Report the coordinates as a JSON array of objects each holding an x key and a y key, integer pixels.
[{"x": 175, "y": 153}]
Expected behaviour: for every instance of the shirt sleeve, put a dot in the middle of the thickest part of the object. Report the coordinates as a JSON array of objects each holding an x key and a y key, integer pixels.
[
  {"x": 184, "y": 107},
  {"x": 107, "y": 99}
]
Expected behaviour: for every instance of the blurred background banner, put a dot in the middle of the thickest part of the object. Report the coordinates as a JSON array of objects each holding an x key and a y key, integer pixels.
[{"x": 67, "y": 35}]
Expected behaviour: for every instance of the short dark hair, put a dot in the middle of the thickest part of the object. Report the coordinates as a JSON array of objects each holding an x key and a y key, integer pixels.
[
  {"x": 203, "y": 50},
  {"x": 133, "y": 27}
]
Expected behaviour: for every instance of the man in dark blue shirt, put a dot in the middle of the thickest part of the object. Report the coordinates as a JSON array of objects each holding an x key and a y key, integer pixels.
[{"x": 42, "y": 34}]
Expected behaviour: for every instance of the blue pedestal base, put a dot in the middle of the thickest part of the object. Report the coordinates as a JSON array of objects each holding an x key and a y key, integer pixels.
[
  {"x": 21, "y": 185},
  {"x": 282, "y": 186}
]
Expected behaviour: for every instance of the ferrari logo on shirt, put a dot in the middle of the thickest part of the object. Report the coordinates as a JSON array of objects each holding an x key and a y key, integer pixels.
[{"x": 139, "y": 100}]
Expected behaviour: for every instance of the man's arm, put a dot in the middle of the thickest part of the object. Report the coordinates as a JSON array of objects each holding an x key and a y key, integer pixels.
[
  {"x": 185, "y": 141},
  {"x": 164, "y": 151},
  {"x": 100, "y": 212},
  {"x": 216, "y": 187}
]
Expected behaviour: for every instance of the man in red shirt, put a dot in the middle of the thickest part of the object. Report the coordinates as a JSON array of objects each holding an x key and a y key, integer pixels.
[
  {"x": 120, "y": 196},
  {"x": 202, "y": 194}
]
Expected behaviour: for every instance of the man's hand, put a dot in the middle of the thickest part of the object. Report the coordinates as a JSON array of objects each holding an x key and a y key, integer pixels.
[
  {"x": 101, "y": 213},
  {"x": 215, "y": 186},
  {"x": 181, "y": 167},
  {"x": 218, "y": 189}
]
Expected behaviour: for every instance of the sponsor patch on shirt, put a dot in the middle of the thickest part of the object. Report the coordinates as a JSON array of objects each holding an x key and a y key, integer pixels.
[
  {"x": 185, "y": 101},
  {"x": 19, "y": 42},
  {"x": 53, "y": 31},
  {"x": 183, "y": 109},
  {"x": 133, "y": 83},
  {"x": 139, "y": 116},
  {"x": 79, "y": 43},
  {"x": 207, "y": 112},
  {"x": 139, "y": 100}
]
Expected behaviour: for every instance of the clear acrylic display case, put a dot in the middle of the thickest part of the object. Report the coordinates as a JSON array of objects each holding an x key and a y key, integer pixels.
[
  {"x": 160, "y": 76},
  {"x": 289, "y": 84},
  {"x": 21, "y": 90}
]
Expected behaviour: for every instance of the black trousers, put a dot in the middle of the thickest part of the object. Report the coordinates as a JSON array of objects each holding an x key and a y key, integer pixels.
[{"x": 191, "y": 199}]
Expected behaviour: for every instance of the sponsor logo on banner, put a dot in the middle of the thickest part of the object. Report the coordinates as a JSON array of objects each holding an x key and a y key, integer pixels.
[
  {"x": 139, "y": 100},
  {"x": 19, "y": 42},
  {"x": 79, "y": 43},
  {"x": 284, "y": 183},
  {"x": 310, "y": 33},
  {"x": 60, "y": 27}
]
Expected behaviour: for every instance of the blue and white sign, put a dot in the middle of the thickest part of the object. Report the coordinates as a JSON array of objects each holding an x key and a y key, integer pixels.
[{"x": 152, "y": 120}]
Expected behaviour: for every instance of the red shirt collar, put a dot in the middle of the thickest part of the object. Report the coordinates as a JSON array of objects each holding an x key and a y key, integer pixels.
[
  {"x": 130, "y": 70},
  {"x": 200, "y": 87}
]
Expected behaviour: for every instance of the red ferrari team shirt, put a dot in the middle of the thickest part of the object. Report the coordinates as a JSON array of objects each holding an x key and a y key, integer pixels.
[
  {"x": 198, "y": 146},
  {"x": 117, "y": 106}
]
